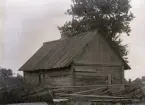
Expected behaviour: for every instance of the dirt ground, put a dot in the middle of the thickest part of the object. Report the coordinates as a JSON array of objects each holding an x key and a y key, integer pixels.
[{"x": 29, "y": 104}]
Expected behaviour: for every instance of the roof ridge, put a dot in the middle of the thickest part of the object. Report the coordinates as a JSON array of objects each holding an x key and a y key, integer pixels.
[
  {"x": 62, "y": 39},
  {"x": 53, "y": 41}
]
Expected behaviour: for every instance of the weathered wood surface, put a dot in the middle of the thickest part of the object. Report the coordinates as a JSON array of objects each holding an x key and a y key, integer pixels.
[
  {"x": 59, "y": 77},
  {"x": 97, "y": 66},
  {"x": 97, "y": 59},
  {"x": 93, "y": 93},
  {"x": 97, "y": 74},
  {"x": 90, "y": 91},
  {"x": 98, "y": 51},
  {"x": 97, "y": 98}
]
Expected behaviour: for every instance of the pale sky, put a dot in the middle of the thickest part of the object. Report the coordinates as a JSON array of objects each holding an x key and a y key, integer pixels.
[{"x": 29, "y": 23}]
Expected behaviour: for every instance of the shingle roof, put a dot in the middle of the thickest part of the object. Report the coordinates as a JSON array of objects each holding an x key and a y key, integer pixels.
[{"x": 59, "y": 53}]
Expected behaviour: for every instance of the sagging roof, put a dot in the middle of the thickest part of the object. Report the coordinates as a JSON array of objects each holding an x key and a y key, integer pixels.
[{"x": 59, "y": 53}]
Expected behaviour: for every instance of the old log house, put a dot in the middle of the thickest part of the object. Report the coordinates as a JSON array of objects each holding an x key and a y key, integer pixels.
[{"x": 85, "y": 59}]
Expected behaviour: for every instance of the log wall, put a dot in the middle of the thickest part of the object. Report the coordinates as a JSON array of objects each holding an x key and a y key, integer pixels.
[
  {"x": 85, "y": 75},
  {"x": 96, "y": 62},
  {"x": 51, "y": 77},
  {"x": 92, "y": 66},
  {"x": 31, "y": 77}
]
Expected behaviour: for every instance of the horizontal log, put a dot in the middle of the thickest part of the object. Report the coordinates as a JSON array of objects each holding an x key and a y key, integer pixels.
[
  {"x": 98, "y": 65},
  {"x": 58, "y": 73},
  {"x": 90, "y": 74},
  {"x": 85, "y": 70},
  {"x": 124, "y": 101},
  {"x": 55, "y": 87},
  {"x": 98, "y": 69},
  {"x": 86, "y": 91},
  {"x": 86, "y": 74},
  {"x": 90, "y": 96},
  {"x": 91, "y": 77}
]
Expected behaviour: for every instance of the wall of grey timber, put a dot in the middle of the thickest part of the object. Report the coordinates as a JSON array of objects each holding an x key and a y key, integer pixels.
[
  {"x": 31, "y": 77},
  {"x": 89, "y": 75},
  {"x": 51, "y": 77},
  {"x": 96, "y": 62},
  {"x": 59, "y": 77},
  {"x": 92, "y": 66},
  {"x": 98, "y": 52}
]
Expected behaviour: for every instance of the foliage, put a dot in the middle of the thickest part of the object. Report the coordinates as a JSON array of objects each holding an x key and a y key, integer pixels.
[
  {"x": 112, "y": 17},
  {"x": 6, "y": 72},
  {"x": 7, "y": 78},
  {"x": 19, "y": 76},
  {"x": 9, "y": 97},
  {"x": 11, "y": 88},
  {"x": 138, "y": 81}
]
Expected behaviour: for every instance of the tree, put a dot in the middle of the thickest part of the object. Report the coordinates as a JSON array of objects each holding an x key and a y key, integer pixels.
[
  {"x": 138, "y": 81},
  {"x": 112, "y": 17},
  {"x": 6, "y": 72},
  {"x": 19, "y": 77}
]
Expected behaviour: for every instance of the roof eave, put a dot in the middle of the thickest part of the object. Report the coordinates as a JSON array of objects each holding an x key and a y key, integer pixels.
[
  {"x": 127, "y": 67},
  {"x": 60, "y": 68}
]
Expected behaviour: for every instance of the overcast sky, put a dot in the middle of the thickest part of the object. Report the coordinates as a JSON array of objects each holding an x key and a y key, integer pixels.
[{"x": 29, "y": 23}]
